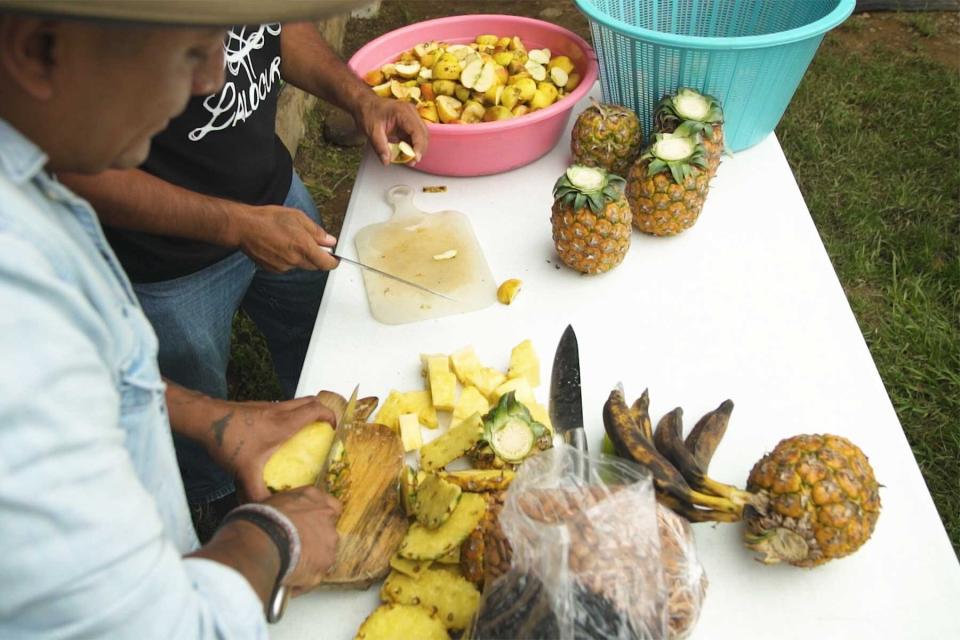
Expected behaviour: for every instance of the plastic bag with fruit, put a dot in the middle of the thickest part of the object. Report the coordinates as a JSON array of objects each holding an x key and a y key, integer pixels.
[{"x": 592, "y": 556}]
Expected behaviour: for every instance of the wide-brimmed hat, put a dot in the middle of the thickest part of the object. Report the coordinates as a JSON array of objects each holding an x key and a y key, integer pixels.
[{"x": 185, "y": 12}]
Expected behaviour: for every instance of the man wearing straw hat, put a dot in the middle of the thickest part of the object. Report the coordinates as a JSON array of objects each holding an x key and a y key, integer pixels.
[
  {"x": 217, "y": 219},
  {"x": 96, "y": 536}
]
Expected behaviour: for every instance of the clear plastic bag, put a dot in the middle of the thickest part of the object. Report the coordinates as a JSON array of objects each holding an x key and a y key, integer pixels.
[{"x": 587, "y": 558}]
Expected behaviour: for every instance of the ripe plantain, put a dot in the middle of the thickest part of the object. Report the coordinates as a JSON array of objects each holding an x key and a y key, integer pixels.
[
  {"x": 668, "y": 439},
  {"x": 628, "y": 439},
  {"x": 640, "y": 411},
  {"x": 705, "y": 437}
]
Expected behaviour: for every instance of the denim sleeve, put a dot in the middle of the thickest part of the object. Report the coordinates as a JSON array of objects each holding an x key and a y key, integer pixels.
[{"x": 83, "y": 549}]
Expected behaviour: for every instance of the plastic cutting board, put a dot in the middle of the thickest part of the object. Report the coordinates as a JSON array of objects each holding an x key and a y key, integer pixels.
[{"x": 405, "y": 246}]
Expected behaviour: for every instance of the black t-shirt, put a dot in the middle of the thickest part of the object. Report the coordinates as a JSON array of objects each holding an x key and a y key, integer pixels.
[{"x": 223, "y": 145}]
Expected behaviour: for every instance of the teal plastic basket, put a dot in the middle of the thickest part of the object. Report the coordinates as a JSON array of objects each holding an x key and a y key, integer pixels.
[{"x": 750, "y": 54}]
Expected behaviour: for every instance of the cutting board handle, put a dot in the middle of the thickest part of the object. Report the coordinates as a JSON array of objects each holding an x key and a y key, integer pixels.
[{"x": 401, "y": 198}]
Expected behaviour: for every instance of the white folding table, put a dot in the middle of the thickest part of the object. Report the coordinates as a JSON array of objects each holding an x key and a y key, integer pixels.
[{"x": 745, "y": 305}]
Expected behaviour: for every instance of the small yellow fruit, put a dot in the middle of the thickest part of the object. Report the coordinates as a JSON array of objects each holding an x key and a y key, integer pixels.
[
  {"x": 561, "y": 62},
  {"x": 444, "y": 87},
  {"x": 536, "y": 70},
  {"x": 520, "y": 110},
  {"x": 504, "y": 42},
  {"x": 487, "y": 79},
  {"x": 447, "y": 67},
  {"x": 383, "y": 90},
  {"x": 540, "y": 56},
  {"x": 428, "y": 60},
  {"x": 493, "y": 95},
  {"x": 497, "y": 113},
  {"x": 373, "y": 78},
  {"x": 425, "y": 48},
  {"x": 471, "y": 73},
  {"x": 507, "y": 291},
  {"x": 572, "y": 81},
  {"x": 448, "y": 108},
  {"x": 472, "y": 113},
  {"x": 510, "y": 96},
  {"x": 527, "y": 88},
  {"x": 540, "y": 100},
  {"x": 428, "y": 111},
  {"x": 487, "y": 40},
  {"x": 503, "y": 58},
  {"x": 401, "y": 152},
  {"x": 409, "y": 69},
  {"x": 517, "y": 44},
  {"x": 549, "y": 89},
  {"x": 461, "y": 92},
  {"x": 559, "y": 77}
]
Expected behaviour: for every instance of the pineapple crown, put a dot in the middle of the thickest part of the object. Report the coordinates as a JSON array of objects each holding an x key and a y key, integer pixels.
[
  {"x": 581, "y": 186},
  {"x": 683, "y": 155},
  {"x": 695, "y": 112}
]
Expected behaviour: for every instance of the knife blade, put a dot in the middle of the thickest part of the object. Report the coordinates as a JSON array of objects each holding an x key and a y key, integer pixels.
[
  {"x": 340, "y": 434},
  {"x": 386, "y": 274},
  {"x": 566, "y": 402}
]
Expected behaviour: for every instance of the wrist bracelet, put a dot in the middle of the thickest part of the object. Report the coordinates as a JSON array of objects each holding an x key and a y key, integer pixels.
[{"x": 284, "y": 535}]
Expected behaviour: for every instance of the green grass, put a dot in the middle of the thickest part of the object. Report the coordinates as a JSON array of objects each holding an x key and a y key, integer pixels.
[{"x": 874, "y": 147}]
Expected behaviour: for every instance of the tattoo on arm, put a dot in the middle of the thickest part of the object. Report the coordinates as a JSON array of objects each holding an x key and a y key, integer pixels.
[{"x": 218, "y": 427}]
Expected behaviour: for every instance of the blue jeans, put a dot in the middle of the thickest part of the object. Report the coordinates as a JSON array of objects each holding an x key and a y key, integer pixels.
[{"x": 193, "y": 316}]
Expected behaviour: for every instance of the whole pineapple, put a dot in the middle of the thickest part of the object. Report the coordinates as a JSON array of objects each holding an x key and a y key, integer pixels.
[
  {"x": 591, "y": 219},
  {"x": 607, "y": 136},
  {"x": 823, "y": 501},
  {"x": 668, "y": 185},
  {"x": 690, "y": 113}
]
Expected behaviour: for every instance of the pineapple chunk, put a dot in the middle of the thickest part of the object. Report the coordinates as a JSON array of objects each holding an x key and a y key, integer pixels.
[
  {"x": 521, "y": 388},
  {"x": 419, "y": 402},
  {"x": 453, "y": 598},
  {"x": 525, "y": 364},
  {"x": 390, "y": 410},
  {"x": 398, "y": 402},
  {"x": 402, "y": 621},
  {"x": 471, "y": 401},
  {"x": 464, "y": 362},
  {"x": 451, "y": 445},
  {"x": 412, "y": 568},
  {"x": 539, "y": 413},
  {"x": 436, "y": 500},
  {"x": 421, "y": 543},
  {"x": 443, "y": 383},
  {"x": 486, "y": 380},
  {"x": 410, "y": 431},
  {"x": 299, "y": 460}
]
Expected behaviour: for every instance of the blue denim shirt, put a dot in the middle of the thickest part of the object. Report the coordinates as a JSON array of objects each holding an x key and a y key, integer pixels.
[{"x": 93, "y": 519}]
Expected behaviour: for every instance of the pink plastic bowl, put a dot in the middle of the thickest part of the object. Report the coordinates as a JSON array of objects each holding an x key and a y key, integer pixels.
[{"x": 488, "y": 147}]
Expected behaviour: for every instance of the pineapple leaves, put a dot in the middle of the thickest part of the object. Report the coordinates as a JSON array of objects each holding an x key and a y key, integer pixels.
[{"x": 607, "y": 188}]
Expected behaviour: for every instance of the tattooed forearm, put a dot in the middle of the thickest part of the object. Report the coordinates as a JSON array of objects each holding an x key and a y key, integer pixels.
[{"x": 219, "y": 427}]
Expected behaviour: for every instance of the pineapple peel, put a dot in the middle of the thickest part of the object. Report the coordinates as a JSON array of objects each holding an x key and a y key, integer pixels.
[{"x": 507, "y": 291}]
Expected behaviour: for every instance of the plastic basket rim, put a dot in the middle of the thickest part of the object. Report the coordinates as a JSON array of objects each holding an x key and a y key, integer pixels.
[
  {"x": 486, "y": 128},
  {"x": 841, "y": 12}
]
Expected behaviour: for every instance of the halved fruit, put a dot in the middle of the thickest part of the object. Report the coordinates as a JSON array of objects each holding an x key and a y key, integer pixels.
[{"x": 448, "y": 108}]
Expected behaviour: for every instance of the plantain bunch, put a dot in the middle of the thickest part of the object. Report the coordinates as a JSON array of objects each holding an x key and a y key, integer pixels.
[{"x": 679, "y": 465}]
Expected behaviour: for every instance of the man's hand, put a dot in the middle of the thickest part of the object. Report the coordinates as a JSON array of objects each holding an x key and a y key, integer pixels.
[
  {"x": 383, "y": 119},
  {"x": 247, "y": 548},
  {"x": 314, "y": 513},
  {"x": 248, "y": 433},
  {"x": 280, "y": 238}
]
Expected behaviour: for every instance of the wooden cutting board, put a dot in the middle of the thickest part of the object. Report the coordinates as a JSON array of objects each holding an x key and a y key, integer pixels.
[
  {"x": 405, "y": 246},
  {"x": 371, "y": 524}
]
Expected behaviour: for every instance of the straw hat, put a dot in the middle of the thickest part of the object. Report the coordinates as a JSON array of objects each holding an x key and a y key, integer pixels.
[{"x": 185, "y": 12}]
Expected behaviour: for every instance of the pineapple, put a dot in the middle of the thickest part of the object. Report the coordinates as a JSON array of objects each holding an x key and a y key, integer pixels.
[
  {"x": 692, "y": 113},
  {"x": 607, "y": 136},
  {"x": 591, "y": 219},
  {"x": 668, "y": 185},
  {"x": 824, "y": 501}
]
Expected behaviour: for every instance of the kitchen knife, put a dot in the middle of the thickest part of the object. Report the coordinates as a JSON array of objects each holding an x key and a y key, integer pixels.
[
  {"x": 385, "y": 274},
  {"x": 346, "y": 420},
  {"x": 566, "y": 404}
]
